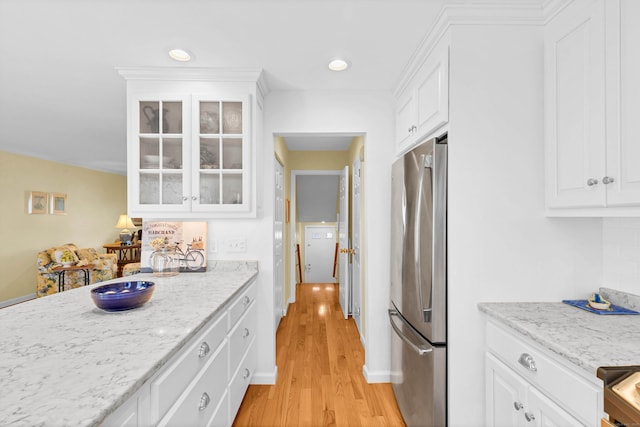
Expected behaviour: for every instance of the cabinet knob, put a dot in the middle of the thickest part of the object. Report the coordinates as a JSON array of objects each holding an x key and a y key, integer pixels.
[
  {"x": 591, "y": 182},
  {"x": 246, "y": 300},
  {"x": 607, "y": 180},
  {"x": 527, "y": 361},
  {"x": 245, "y": 333},
  {"x": 529, "y": 416},
  {"x": 185, "y": 198},
  {"x": 518, "y": 405},
  {"x": 204, "y": 402},
  {"x": 194, "y": 198},
  {"x": 246, "y": 373},
  {"x": 204, "y": 350}
]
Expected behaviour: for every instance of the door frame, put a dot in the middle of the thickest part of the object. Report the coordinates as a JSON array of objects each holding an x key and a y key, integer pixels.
[{"x": 293, "y": 221}]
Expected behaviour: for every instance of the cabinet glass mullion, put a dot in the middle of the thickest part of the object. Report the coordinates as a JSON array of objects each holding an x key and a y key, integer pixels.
[{"x": 161, "y": 147}]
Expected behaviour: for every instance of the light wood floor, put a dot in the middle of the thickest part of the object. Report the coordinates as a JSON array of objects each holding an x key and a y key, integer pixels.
[{"x": 320, "y": 381}]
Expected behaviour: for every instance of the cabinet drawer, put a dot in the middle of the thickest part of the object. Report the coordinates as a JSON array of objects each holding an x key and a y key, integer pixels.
[
  {"x": 241, "y": 379},
  {"x": 564, "y": 387},
  {"x": 241, "y": 305},
  {"x": 241, "y": 337},
  {"x": 166, "y": 388},
  {"x": 198, "y": 404}
]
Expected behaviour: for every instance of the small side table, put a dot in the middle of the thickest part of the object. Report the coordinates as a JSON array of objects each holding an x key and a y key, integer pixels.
[
  {"x": 126, "y": 254},
  {"x": 61, "y": 270}
]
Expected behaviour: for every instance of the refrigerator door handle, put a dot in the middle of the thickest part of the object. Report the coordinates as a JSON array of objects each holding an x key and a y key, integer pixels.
[
  {"x": 421, "y": 348},
  {"x": 426, "y": 161}
]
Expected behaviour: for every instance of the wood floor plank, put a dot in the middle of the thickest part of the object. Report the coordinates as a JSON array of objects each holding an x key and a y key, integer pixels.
[{"x": 320, "y": 381}]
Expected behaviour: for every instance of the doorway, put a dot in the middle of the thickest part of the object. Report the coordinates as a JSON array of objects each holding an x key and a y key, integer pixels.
[
  {"x": 319, "y": 253},
  {"x": 320, "y": 154}
]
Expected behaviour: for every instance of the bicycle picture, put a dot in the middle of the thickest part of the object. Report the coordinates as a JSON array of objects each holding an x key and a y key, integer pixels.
[{"x": 192, "y": 259}]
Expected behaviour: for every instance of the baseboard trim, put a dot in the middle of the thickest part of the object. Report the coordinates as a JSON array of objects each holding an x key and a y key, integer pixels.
[
  {"x": 265, "y": 378},
  {"x": 376, "y": 376},
  {"x": 17, "y": 300}
]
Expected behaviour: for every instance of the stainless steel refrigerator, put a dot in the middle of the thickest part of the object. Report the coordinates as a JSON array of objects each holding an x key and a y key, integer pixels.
[{"x": 418, "y": 307}]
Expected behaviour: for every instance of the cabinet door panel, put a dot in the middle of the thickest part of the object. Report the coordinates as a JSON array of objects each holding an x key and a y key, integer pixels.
[
  {"x": 405, "y": 121},
  {"x": 547, "y": 413},
  {"x": 623, "y": 103},
  {"x": 506, "y": 393},
  {"x": 574, "y": 61},
  {"x": 432, "y": 94}
]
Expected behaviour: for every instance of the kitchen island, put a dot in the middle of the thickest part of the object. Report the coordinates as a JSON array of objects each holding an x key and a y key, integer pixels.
[
  {"x": 542, "y": 358},
  {"x": 64, "y": 362}
]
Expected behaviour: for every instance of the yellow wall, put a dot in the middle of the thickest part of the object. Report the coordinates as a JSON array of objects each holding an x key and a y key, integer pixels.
[
  {"x": 94, "y": 201},
  {"x": 317, "y": 160}
]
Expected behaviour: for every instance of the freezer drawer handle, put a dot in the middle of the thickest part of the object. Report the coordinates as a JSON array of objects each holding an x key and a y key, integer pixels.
[
  {"x": 420, "y": 349},
  {"x": 527, "y": 361}
]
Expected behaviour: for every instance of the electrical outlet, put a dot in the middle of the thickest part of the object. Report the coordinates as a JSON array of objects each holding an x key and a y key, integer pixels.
[{"x": 237, "y": 244}]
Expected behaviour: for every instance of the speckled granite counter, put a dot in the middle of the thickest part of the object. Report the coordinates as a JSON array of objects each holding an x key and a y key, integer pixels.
[
  {"x": 585, "y": 339},
  {"x": 64, "y": 362}
]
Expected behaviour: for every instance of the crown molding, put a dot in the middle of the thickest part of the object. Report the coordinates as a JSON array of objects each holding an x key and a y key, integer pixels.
[
  {"x": 193, "y": 74},
  {"x": 489, "y": 12}
]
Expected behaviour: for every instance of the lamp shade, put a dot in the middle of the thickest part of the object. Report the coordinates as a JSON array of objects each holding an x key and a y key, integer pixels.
[{"x": 124, "y": 222}]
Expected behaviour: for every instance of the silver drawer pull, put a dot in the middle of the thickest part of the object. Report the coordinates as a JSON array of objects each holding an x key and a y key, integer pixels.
[
  {"x": 204, "y": 350},
  {"x": 529, "y": 416},
  {"x": 246, "y": 374},
  {"x": 518, "y": 405},
  {"x": 607, "y": 180},
  {"x": 591, "y": 182},
  {"x": 527, "y": 361},
  {"x": 246, "y": 300},
  {"x": 245, "y": 333},
  {"x": 204, "y": 402}
]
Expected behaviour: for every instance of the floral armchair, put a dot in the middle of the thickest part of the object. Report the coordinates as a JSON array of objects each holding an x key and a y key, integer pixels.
[{"x": 103, "y": 267}]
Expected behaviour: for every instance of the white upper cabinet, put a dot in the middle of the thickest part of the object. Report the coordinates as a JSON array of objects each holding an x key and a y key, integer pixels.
[
  {"x": 592, "y": 91},
  {"x": 423, "y": 105},
  {"x": 191, "y": 142}
]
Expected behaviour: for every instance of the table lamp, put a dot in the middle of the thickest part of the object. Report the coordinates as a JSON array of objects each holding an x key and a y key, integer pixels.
[{"x": 125, "y": 223}]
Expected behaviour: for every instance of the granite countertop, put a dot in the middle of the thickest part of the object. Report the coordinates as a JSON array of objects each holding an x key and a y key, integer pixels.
[
  {"x": 585, "y": 339},
  {"x": 64, "y": 362}
]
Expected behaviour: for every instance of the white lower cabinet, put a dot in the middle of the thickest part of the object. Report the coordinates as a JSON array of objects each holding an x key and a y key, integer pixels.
[
  {"x": 511, "y": 401},
  {"x": 205, "y": 382},
  {"x": 529, "y": 386}
]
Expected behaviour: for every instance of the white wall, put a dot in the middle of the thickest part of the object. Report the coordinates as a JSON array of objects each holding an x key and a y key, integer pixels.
[
  {"x": 621, "y": 254},
  {"x": 350, "y": 112},
  {"x": 501, "y": 246}
]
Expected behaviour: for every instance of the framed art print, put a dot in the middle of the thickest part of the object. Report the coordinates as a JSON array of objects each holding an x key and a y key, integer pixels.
[
  {"x": 58, "y": 203},
  {"x": 37, "y": 202}
]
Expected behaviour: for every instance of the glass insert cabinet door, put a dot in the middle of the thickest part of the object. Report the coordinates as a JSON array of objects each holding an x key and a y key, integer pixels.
[
  {"x": 161, "y": 153},
  {"x": 222, "y": 155}
]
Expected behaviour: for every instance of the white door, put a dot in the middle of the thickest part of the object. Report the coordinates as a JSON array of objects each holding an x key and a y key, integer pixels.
[
  {"x": 319, "y": 250},
  {"x": 278, "y": 242},
  {"x": 343, "y": 236},
  {"x": 356, "y": 243}
]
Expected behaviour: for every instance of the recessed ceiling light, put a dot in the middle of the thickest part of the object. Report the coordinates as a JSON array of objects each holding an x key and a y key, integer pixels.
[
  {"x": 338, "y": 65},
  {"x": 180, "y": 55}
]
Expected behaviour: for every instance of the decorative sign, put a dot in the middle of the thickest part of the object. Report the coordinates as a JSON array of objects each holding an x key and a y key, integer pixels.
[{"x": 188, "y": 238}]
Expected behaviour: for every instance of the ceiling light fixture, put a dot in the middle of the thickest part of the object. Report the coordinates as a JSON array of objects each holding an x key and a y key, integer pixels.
[
  {"x": 180, "y": 55},
  {"x": 338, "y": 65}
]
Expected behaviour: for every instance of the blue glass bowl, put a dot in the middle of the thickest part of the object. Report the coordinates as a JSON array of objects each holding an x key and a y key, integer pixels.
[{"x": 122, "y": 295}]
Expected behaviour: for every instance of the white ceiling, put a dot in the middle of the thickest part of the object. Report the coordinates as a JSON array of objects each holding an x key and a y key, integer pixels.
[{"x": 61, "y": 98}]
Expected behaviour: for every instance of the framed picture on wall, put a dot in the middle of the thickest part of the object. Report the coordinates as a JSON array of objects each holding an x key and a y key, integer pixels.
[
  {"x": 58, "y": 203},
  {"x": 37, "y": 202}
]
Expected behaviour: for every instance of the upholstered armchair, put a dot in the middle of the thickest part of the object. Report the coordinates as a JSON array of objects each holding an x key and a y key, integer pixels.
[{"x": 99, "y": 266}]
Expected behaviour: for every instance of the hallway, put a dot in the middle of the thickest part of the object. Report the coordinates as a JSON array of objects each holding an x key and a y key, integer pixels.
[{"x": 320, "y": 381}]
